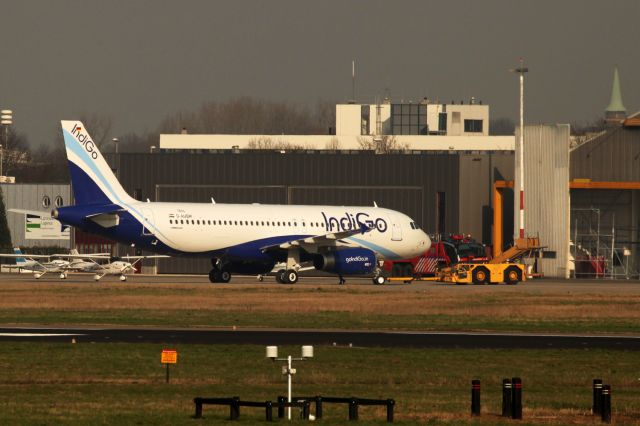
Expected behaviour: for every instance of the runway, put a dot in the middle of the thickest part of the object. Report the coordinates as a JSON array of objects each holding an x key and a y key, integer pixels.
[{"x": 314, "y": 337}]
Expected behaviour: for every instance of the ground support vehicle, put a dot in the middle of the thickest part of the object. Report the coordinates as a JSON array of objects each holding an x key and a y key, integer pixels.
[
  {"x": 501, "y": 268},
  {"x": 442, "y": 266},
  {"x": 483, "y": 273}
]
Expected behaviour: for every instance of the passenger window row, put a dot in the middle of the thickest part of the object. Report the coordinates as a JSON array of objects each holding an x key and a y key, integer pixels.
[{"x": 240, "y": 222}]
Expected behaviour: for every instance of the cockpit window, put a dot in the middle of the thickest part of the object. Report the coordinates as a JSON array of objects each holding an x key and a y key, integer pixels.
[{"x": 414, "y": 225}]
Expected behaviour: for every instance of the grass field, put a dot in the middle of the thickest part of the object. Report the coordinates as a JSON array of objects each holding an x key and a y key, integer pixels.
[
  {"x": 466, "y": 308},
  {"x": 83, "y": 383},
  {"x": 124, "y": 384}
]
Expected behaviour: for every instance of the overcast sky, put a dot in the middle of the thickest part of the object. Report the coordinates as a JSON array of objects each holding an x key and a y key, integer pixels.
[{"x": 138, "y": 60}]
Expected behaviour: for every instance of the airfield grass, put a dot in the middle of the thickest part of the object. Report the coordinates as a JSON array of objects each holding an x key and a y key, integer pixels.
[
  {"x": 445, "y": 308},
  {"x": 84, "y": 383}
]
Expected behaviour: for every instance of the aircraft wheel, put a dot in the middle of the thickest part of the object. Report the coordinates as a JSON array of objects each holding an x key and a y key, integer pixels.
[
  {"x": 214, "y": 275},
  {"x": 260, "y": 277},
  {"x": 225, "y": 276},
  {"x": 280, "y": 276},
  {"x": 123, "y": 278},
  {"x": 378, "y": 280},
  {"x": 63, "y": 276},
  {"x": 290, "y": 276},
  {"x": 96, "y": 277},
  {"x": 37, "y": 276}
]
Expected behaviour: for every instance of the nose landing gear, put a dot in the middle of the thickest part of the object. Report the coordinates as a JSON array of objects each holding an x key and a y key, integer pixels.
[{"x": 219, "y": 274}]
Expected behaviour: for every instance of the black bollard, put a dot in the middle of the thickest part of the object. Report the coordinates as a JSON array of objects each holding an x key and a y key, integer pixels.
[
  {"x": 305, "y": 410},
  {"x": 198, "y": 402},
  {"x": 269, "y": 411},
  {"x": 516, "y": 398},
  {"x": 606, "y": 404},
  {"x": 318, "y": 407},
  {"x": 475, "y": 397},
  {"x": 506, "y": 398},
  {"x": 353, "y": 409},
  {"x": 390, "y": 404},
  {"x": 597, "y": 396},
  {"x": 281, "y": 401},
  {"x": 234, "y": 408}
]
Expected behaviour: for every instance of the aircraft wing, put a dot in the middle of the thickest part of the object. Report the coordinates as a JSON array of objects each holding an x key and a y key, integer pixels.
[
  {"x": 99, "y": 256},
  {"x": 329, "y": 239},
  {"x": 153, "y": 256},
  {"x": 27, "y": 256},
  {"x": 38, "y": 213}
]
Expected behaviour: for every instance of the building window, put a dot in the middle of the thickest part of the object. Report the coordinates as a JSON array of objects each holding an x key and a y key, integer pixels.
[
  {"x": 442, "y": 122},
  {"x": 408, "y": 119},
  {"x": 46, "y": 201},
  {"x": 473, "y": 126}
]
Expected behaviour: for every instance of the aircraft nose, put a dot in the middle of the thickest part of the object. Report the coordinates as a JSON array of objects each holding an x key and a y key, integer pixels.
[{"x": 424, "y": 242}]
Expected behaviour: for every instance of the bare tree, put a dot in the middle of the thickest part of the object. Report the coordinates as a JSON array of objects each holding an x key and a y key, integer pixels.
[
  {"x": 99, "y": 127},
  {"x": 382, "y": 145},
  {"x": 251, "y": 116},
  {"x": 333, "y": 144},
  {"x": 267, "y": 143}
]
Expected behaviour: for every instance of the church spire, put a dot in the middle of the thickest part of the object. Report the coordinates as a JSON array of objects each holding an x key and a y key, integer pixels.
[{"x": 616, "y": 111}]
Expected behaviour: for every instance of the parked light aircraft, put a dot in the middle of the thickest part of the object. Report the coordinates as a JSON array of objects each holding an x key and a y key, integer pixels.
[
  {"x": 38, "y": 264},
  {"x": 120, "y": 266},
  {"x": 238, "y": 238}
]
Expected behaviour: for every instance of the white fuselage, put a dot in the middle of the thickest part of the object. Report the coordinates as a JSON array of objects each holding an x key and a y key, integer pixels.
[{"x": 197, "y": 227}]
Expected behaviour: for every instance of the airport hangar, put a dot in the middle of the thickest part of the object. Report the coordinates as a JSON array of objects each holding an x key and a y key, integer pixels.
[{"x": 583, "y": 189}]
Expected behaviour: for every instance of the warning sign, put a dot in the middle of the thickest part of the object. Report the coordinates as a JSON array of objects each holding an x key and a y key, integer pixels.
[{"x": 169, "y": 356}]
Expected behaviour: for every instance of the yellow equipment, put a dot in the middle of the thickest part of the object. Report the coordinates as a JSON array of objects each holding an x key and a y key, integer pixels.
[{"x": 499, "y": 269}]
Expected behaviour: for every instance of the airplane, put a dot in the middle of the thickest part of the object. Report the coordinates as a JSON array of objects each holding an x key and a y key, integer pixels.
[
  {"x": 120, "y": 266},
  {"x": 33, "y": 263},
  {"x": 238, "y": 238}
]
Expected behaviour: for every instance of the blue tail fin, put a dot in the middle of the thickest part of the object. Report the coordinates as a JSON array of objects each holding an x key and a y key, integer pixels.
[
  {"x": 19, "y": 260},
  {"x": 92, "y": 180}
]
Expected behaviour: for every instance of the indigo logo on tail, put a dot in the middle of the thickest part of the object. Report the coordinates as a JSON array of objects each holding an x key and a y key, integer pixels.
[{"x": 84, "y": 139}]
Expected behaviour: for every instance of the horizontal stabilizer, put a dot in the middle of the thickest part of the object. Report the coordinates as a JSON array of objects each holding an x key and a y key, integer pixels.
[{"x": 106, "y": 220}]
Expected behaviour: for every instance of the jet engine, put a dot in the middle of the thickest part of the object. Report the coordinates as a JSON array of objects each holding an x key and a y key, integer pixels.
[{"x": 351, "y": 261}]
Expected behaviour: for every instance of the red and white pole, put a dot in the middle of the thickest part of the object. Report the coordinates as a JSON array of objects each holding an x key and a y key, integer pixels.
[{"x": 521, "y": 71}]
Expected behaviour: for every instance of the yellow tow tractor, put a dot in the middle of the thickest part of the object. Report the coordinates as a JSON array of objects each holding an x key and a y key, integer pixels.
[{"x": 499, "y": 269}]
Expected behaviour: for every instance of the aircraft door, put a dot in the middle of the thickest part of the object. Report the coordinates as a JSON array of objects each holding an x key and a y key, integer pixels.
[
  {"x": 396, "y": 230},
  {"x": 147, "y": 223}
]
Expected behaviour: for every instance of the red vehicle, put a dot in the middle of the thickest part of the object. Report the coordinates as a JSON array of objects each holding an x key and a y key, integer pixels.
[{"x": 454, "y": 249}]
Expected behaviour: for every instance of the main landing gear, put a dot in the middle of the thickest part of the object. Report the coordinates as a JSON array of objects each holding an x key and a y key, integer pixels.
[
  {"x": 290, "y": 275},
  {"x": 219, "y": 274},
  {"x": 287, "y": 276}
]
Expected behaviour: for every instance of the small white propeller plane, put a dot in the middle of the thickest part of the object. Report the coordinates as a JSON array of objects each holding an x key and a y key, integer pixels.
[
  {"x": 120, "y": 266},
  {"x": 39, "y": 264},
  {"x": 75, "y": 262}
]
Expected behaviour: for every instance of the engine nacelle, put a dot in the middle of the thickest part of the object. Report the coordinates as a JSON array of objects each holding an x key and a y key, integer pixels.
[{"x": 353, "y": 261}]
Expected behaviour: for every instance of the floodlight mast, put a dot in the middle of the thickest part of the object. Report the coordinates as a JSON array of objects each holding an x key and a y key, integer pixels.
[
  {"x": 521, "y": 70},
  {"x": 272, "y": 353}
]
